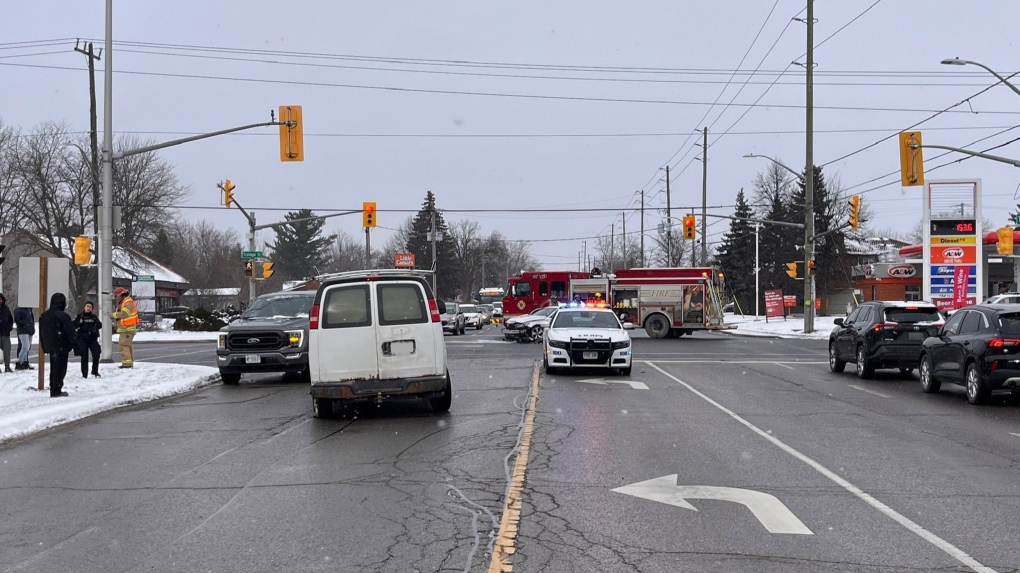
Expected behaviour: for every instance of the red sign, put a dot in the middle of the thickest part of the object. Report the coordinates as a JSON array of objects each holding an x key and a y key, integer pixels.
[
  {"x": 790, "y": 300},
  {"x": 403, "y": 260},
  {"x": 773, "y": 303},
  {"x": 945, "y": 304},
  {"x": 960, "y": 279},
  {"x": 953, "y": 255}
]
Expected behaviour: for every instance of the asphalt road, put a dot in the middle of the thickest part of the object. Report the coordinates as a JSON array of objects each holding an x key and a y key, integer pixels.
[{"x": 866, "y": 475}]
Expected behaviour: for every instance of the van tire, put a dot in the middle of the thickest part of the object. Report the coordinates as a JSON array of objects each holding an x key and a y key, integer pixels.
[
  {"x": 442, "y": 403},
  {"x": 230, "y": 379},
  {"x": 322, "y": 407}
]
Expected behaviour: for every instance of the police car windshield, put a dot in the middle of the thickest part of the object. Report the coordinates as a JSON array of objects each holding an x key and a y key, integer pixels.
[
  {"x": 282, "y": 306},
  {"x": 585, "y": 319}
]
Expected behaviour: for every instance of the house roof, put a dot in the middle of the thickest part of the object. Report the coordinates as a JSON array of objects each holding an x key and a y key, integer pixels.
[
  {"x": 128, "y": 262},
  {"x": 856, "y": 246},
  {"x": 213, "y": 292}
]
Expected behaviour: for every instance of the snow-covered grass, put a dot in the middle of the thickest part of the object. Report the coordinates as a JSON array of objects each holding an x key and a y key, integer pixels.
[
  {"x": 163, "y": 332},
  {"x": 792, "y": 327},
  {"x": 24, "y": 410}
]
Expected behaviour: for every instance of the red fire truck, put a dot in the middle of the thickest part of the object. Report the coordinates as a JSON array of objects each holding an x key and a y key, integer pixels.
[
  {"x": 667, "y": 303},
  {"x": 536, "y": 289}
]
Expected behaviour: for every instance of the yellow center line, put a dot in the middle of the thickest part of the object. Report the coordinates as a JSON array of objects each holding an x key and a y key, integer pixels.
[{"x": 506, "y": 540}]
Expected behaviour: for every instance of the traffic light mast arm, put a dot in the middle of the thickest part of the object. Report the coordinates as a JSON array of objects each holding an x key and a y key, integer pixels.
[
  {"x": 1013, "y": 162},
  {"x": 279, "y": 223},
  {"x": 762, "y": 221},
  {"x": 171, "y": 143}
]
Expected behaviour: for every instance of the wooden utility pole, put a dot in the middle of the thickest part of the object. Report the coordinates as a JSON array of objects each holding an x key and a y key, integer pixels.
[
  {"x": 642, "y": 263},
  {"x": 669, "y": 224},
  {"x": 704, "y": 201},
  {"x": 623, "y": 236},
  {"x": 92, "y": 57}
]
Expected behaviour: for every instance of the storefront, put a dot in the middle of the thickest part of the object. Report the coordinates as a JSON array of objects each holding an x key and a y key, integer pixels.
[{"x": 888, "y": 281}]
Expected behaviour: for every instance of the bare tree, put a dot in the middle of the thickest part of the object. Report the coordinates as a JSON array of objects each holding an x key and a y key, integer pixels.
[
  {"x": 346, "y": 254},
  {"x": 612, "y": 253},
  {"x": 397, "y": 243},
  {"x": 147, "y": 189}
]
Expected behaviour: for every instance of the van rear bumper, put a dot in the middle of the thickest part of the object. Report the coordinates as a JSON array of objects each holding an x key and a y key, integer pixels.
[{"x": 368, "y": 389}]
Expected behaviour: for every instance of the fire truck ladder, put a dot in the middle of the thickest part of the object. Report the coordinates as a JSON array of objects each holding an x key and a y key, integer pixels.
[{"x": 716, "y": 317}]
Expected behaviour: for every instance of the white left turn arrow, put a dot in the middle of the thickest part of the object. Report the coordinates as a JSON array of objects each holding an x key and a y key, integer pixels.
[
  {"x": 604, "y": 382},
  {"x": 771, "y": 512}
]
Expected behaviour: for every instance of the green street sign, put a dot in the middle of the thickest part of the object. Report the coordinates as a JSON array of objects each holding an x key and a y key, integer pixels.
[
  {"x": 251, "y": 254},
  {"x": 144, "y": 278}
]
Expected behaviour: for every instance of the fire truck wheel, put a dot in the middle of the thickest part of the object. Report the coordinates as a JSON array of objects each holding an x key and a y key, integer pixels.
[{"x": 657, "y": 326}]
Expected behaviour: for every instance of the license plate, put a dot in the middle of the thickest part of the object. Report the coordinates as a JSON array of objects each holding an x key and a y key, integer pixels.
[
  {"x": 590, "y": 355},
  {"x": 400, "y": 348},
  {"x": 252, "y": 359},
  {"x": 915, "y": 336}
]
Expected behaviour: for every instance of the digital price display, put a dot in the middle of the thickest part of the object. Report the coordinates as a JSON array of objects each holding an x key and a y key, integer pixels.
[{"x": 945, "y": 227}]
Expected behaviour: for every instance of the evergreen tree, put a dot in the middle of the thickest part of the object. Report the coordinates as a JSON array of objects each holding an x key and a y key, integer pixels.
[
  {"x": 831, "y": 273},
  {"x": 777, "y": 244},
  {"x": 736, "y": 255},
  {"x": 300, "y": 250},
  {"x": 448, "y": 273}
]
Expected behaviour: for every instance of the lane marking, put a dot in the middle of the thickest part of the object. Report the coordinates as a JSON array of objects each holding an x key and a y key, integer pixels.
[
  {"x": 1014, "y": 434},
  {"x": 505, "y": 544},
  {"x": 866, "y": 390},
  {"x": 921, "y": 532},
  {"x": 736, "y": 362},
  {"x": 784, "y": 365},
  {"x": 604, "y": 382}
]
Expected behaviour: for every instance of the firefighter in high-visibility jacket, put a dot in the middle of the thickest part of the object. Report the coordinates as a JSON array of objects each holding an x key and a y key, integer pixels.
[{"x": 126, "y": 316}]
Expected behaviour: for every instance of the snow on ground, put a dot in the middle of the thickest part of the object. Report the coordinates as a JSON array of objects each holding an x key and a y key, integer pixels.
[
  {"x": 165, "y": 333},
  {"x": 792, "y": 327},
  {"x": 24, "y": 410}
]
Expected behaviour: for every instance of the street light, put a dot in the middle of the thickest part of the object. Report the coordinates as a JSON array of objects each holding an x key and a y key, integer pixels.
[
  {"x": 961, "y": 62},
  {"x": 795, "y": 174}
]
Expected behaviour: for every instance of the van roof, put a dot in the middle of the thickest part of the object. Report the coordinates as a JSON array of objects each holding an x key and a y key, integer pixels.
[{"x": 381, "y": 275}]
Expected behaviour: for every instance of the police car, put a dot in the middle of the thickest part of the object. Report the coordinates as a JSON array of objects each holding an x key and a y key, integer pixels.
[{"x": 581, "y": 337}]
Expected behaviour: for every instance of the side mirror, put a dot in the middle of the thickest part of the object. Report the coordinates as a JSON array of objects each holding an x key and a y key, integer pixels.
[
  {"x": 932, "y": 332},
  {"x": 628, "y": 326},
  {"x": 838, "y": 322},
  {"x": 442, "y": 306}
]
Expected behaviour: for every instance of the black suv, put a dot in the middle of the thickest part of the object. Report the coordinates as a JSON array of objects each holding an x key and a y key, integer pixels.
[
  {"x": 882, "y": 335},
  {"x": 270, "y": 336}
]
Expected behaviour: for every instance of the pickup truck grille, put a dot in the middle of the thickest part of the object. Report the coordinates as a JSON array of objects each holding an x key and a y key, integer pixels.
[
  {"x": 246, "y": 341},
  {"x": 601, "y": 346}
]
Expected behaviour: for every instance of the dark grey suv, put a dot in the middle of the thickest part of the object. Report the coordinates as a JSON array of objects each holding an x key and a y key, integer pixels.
[{"x": 270, "y": 336}]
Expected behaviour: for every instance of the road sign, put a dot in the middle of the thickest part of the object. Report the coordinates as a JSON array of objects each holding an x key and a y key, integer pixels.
[
  {"x": 771, "y": 512},
  {"x": 403, "y": 260},
  {"x": 251, "y": 254},
  {"x": 144, "y": 278}
]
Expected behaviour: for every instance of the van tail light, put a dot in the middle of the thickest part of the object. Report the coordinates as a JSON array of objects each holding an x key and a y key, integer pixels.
[
  {"x": 313, "y": 318},
  {"x": 1003, "y": 342},
  {"x": 886, "y": 325},
  {"x": 434, "y": 310}
]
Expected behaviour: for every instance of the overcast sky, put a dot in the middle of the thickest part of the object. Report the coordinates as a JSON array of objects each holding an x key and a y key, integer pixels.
[{"x": 528, "y": 104}]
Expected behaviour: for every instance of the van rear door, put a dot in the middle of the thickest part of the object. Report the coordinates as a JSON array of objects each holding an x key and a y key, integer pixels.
[
  {"x": 406, "y": 339},
  {"x": 345, "y": 347}
]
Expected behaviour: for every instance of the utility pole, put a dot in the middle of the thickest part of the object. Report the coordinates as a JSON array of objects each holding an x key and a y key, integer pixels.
[
  {"x": 368, "y": 247},
  {"x": 694, "y": 248},
  {"x": 669, "y": 224},
  {"x": 704, "y": 200},
  {"x": 612, "y": 250},
  {"x": 757, "y": 268},
  {"x": 809, "y": 175},
  {"x": 92, "y": 57},
  {"x": 433, "y": 235},
  {"x": 642, "y": 228},
  {"x": 584, "y": 247},
  {"x": 105, "y": 284},
  {"x": 623, "y": 241}
]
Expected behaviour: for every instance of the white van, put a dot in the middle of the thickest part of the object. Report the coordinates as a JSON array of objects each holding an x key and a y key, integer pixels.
[{"x": 375, "y": 336}]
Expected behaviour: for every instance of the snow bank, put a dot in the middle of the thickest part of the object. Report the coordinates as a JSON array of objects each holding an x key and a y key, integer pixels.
[{"x": 792, "y": 327}]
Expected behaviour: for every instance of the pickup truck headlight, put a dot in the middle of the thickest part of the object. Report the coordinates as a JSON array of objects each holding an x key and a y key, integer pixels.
[
  {"x": 558, "y": 343},
  {"x": 221, "y": 341},
  {"x": 295, "y": 337},
  {"x": 621, "y": 344}
]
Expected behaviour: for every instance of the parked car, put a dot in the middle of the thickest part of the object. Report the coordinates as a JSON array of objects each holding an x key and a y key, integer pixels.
[
  {"x": 1004, "y": 298},
  {"x": 453, "y": 319},
  {"x": 529, "y": 327},
  {"x": 587, "y": 338},
  {"x": 978, "y": 348},
  {"x": 270, "y": 336},
  {"x": 174, "y": 311},
  {"x": 882, "y": 335},
  {"x": 472, "y": 316},
  {"x": 376, "y": 336}
]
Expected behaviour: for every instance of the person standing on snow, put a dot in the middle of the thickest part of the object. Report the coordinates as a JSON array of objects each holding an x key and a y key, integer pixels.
[
  {"x": 25, "y": 320},
  {"x": 127, "y": 323},
  {"x": 88, "y": 326},
  {"x": 6, "y": 325},
  {"x": 56, "y": 338}
]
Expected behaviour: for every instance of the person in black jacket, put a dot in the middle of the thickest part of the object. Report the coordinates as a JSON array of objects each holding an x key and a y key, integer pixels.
[
  {"x": 57, "y": 338},
  {"x": 88, "y": 326},
  {"x": 25, "y": 320},
  {"x": 6, "y": 325}
]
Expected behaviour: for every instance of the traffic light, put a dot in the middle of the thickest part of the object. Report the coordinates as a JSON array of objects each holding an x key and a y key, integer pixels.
[
  {"x": 82, "y": 253},
  {"x": 791, "y": 270},
  {"x": 249, "y": 268},
  {"x": 811, "y": 267},
  {"x": 368, "y": 214},
  {"x": 228, "y": 193},
  {"x": 855, "y": 212},
  {"x": 292, "y": 134},
  {"x": 1005, "y": 244},
  {"x": 690, "y": 223},
  {"x": 267, "y": 269},
  {"x": 911, "y": 159}
]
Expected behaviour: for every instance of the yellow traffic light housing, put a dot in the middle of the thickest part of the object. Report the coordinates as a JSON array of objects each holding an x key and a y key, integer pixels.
[
  {"x": 267, "y": 269},
  {"x": 1005, "y": 244},
  {"x": 228, "y": 193},
  {"x": 368, "y": 219},
  {"x": 855, "y": 212},
  {"x": 911, "y": 159},
  {"x": 249, "y": 269},
  {"x": 82, "y": 250},
  {"x": 791, "y": 270},
  {"x": 690, "y": 227},
  {"x": 292, "y": 133}
]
